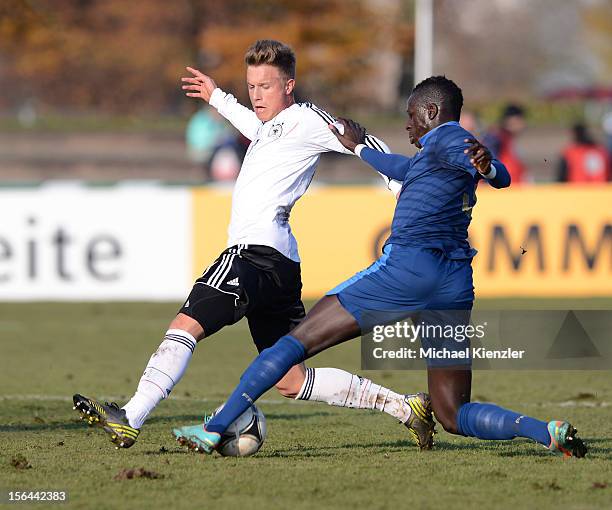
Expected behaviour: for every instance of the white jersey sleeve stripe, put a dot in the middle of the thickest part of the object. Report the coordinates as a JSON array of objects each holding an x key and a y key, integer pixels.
[
  {"x": 324, "y": 115},
  {"x": 373, "y": 143},
  {"x": 330, "y": 119}
]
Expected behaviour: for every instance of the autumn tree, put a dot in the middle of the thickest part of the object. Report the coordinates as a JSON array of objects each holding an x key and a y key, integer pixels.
[{"x": 126, "y": 57}]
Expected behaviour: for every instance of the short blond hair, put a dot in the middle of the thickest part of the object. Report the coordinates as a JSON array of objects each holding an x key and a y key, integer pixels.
[{"x": 274, "y": 53}]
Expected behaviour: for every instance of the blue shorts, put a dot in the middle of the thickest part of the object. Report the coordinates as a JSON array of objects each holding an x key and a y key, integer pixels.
[
  {"x": 420, "y": 283},
  {"x": 406, "y": 279}
]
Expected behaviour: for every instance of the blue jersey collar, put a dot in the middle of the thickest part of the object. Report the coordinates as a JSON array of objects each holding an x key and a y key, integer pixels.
[{"x": 425, "y": 137}]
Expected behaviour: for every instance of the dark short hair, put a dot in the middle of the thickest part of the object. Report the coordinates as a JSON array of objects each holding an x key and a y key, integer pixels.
[
  {"x": 582, "y": 134},
  {"x": 441, "y": 91},
  {"x": 274, "y": 53},
  {"x": 513, "y": 110}
]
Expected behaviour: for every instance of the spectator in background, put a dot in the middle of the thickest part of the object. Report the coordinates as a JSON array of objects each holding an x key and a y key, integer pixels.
[
  {"x": 584, "y": 160},
  {"x": 501, "y": 141},
  {"x": 215, "y": 146},
  {"x": 470, "y": 122},
  {"x": 204, "y": 131},
  {"x": 606, "y": 125},
  {"x": 226, "y": 159}
]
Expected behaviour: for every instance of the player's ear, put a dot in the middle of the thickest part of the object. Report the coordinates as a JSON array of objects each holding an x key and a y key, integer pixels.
[
  {"x": 289, "y": 86},
  {"x": 432, "y": 111}
]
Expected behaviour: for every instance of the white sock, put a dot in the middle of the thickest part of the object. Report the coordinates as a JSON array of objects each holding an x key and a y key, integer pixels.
[
  {"x": 163, "y": 372},
  {"x": 340, "y": 388}
]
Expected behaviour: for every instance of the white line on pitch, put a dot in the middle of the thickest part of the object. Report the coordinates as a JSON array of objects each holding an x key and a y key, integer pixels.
[{"x": 64, "y": 398}]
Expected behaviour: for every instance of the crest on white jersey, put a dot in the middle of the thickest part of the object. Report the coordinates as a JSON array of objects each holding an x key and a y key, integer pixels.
[{"x": 276, "y": 131}]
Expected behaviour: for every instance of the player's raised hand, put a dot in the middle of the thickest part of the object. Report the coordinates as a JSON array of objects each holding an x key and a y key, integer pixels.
[
  {"x": 349, "y": 132},
  {"x": 198, "y": 85},
  {"x": 479, "y": 156}
]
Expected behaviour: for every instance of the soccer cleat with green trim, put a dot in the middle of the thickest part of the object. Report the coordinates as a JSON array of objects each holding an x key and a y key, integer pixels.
[
  {"x": 110, "y": 417},
  {"x": 420, "y": 425},
  {"x": 196, "y": 438},
  {"x": 563, "y": 439}
]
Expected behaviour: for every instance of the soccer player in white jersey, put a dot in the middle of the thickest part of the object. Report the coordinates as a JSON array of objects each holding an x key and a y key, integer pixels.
[{"x": 258, "y": 275}]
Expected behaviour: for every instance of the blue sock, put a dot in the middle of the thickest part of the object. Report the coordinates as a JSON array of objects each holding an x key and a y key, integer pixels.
[
  {"x": 263, "y": 373},
  {"x": 488, "y": 421}
]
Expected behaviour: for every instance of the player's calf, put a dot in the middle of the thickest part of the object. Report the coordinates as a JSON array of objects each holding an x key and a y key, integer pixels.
[
  {"x": 450, "y": 389},
  {"x": 291, "y": 383},
  {"x": 447, "y": 418},
  {"x": 488, "y": 421},
  {"x": 342, "y": 389},
  {"x": 164, "y": 370}
]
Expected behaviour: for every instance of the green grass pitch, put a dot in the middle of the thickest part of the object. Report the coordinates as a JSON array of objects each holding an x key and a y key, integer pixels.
[{"x": 316, "y": 456}]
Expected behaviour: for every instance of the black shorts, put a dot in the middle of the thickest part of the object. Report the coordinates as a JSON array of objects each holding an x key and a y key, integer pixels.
[{"x": 252, "y": 281}]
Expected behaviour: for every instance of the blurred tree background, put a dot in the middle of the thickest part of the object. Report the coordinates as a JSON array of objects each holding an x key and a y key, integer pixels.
[
  {"x": 109, "y": 55},
  {"x": 127, "y": 57},
  {"x": 90, "y": 88},
  {"x": 114, "y": 57}
]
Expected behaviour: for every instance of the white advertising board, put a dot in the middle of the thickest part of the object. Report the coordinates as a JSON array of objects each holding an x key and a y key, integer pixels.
[{"x": 87, "y": 244}]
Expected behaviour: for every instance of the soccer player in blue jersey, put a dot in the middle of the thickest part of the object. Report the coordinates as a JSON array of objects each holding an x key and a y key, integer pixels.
[
  {"x": 257, "y": 277},
  {"x": 425, "y": 266}
]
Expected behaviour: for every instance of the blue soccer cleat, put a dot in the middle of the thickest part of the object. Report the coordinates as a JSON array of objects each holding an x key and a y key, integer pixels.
[
  {"x": 563, "y": 439},
  {"x": 197, "y": 438}
]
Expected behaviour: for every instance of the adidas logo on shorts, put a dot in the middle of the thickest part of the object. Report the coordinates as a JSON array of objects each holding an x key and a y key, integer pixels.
[{"x": 233, "y": 282}]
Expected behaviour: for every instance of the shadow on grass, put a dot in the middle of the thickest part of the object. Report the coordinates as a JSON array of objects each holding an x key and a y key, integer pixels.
[
  {"x": 163, "y": 452},
  {"x": 169, "y": 420},
  {"x": 500, "y": 447},
  {"x": 512, "y": 448},
  {"x": 328, "y": 451},
  {"x": 41, "y": 427},
  {"x": 509, "y": 448},
  {"x": 200, "y": 417},
  {"x": 296, "y": 416},
  {"x": 600, "y": 448}
]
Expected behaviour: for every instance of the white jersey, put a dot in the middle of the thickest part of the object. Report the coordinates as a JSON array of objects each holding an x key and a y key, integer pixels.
[{"x": 277, "y": 169}]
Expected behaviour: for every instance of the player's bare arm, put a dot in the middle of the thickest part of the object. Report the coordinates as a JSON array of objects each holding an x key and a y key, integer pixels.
[
  {"x": 353, "y": 134},
  {"x": 199, "y": 85},
  {"x": 480, "y": 156}
]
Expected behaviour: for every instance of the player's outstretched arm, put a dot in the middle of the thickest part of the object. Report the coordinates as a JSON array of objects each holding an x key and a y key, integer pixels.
[
  {"x": 204, "y": 87},
  {"x": 372, "y": 142},
  {"x": 318, "y": 136},
  {"x": 490, "y": 169},
  {"x": 353, "y": 138}
]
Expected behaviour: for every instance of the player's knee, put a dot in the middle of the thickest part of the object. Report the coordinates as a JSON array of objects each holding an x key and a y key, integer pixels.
[
  {"x": 291, "y": 384},
  {"x": 288, "y": 390},
  {"x": 188, "y": 324}
]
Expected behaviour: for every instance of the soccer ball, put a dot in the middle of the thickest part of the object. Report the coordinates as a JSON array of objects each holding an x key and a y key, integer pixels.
[{"x": 245, "y": 435}]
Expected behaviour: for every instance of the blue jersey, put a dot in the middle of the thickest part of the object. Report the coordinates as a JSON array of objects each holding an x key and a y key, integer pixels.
[{"x": 435, "y": 204}]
